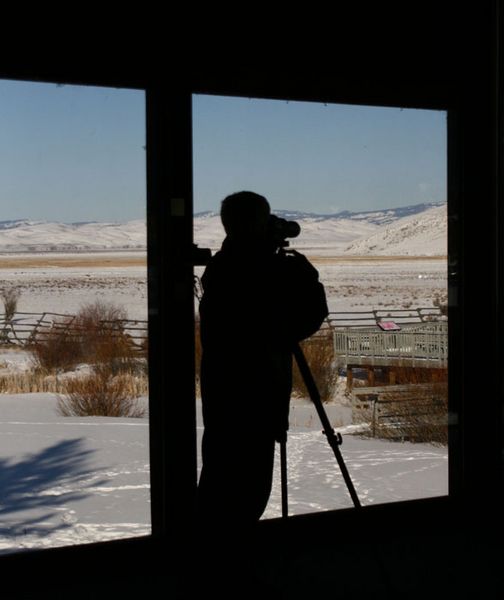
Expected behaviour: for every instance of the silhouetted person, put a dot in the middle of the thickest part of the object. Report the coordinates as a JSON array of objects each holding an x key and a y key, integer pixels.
[{"x": 257, "y": 302}]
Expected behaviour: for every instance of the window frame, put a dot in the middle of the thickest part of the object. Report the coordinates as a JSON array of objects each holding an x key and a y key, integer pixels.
[{"x": 475, "y": 460}]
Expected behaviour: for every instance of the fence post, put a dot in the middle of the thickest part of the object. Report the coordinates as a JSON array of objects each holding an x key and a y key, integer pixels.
[
  {"x": 349, "y": 384},
  {"x": 374, "y": 399}
]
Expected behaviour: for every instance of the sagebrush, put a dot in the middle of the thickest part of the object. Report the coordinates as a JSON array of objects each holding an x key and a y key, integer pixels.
[
  {"x": 10, "y": 297},
  {"x": 94, "y": 336},
  {"x": 101, "y": 394}
]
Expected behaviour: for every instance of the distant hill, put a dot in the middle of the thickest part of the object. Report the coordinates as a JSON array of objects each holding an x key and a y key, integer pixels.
[
  {"x": 422, "y": 234},
  {"x": 347, "y": 232},
  {"x": 417, "y": 229},
  {"x": 377, "y": 217},
  {"x": 45, "y": 236}
]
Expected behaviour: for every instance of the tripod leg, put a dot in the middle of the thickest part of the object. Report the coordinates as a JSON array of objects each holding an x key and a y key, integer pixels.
[
  {"x": 333, "y": 439},
  {"x": 283, "y": 475}
]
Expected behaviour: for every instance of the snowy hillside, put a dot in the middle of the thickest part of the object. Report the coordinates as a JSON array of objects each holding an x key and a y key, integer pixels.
[
  {"x": 330, "y": 233},
  {"x": 424, "y": 234},
  {"x": 408, "y": 230},
  {"x": 43, "y": 236},
  {"x": 418, "y": 230}
]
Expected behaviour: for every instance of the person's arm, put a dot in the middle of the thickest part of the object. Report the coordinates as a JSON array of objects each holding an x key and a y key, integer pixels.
[{"x": 306, "y": 304}]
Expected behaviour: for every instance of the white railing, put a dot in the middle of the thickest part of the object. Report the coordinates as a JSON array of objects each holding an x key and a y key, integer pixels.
[{"x": 425, "y": 342}]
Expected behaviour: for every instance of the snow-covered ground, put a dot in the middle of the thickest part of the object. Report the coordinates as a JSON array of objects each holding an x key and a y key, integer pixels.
[
  {"x": 79, "y": 480},
  {"x": 69, "y": 480},
  {"x": 65, "y": 289},
  {"x": 351, "y": 284}
]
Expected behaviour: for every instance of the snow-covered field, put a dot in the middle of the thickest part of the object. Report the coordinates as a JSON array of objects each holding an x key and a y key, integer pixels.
[
  {"x": 69, "y": 480},
  {"x": 76, "y": 480},
  {"x": 45, "y": 287},
  {"x": 79, "y": 480}
]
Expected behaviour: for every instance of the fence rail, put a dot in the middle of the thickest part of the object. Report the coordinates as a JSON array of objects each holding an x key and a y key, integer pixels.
[
  {"x": 404, "y": 409},
  {"x": 25, "y": 328},
  {"x": 423, "y": 335},
  {"x": 369, "y": 318}
]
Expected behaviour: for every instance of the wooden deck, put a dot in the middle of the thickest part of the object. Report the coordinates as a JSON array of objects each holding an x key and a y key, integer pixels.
[{"x": 417, "y": 345}]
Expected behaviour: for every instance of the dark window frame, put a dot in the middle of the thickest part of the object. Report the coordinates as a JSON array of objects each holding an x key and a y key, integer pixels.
[{"x": 473, "y": 172}]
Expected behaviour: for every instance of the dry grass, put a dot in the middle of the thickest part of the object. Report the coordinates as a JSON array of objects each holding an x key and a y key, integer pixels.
[
  {"x": 417, "y": 412},
  {"x": 29, "y": 382},
  {"x": 72, "y": 261},
  {"x": 417, "y": 417},
  {"x": 365, "y": 258}
]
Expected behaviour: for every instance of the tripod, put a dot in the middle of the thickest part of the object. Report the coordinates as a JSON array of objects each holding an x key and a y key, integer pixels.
[{"x": 334, "y": 439}]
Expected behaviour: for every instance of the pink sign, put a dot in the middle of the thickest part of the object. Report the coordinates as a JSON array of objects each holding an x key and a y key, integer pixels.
[{"x": 389, "y": 326}]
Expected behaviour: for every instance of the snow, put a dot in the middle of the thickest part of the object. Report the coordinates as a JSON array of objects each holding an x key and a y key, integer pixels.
[
  {"x": 80, "y": 480},
  {"x": 24, "y": 236},
  {"x": 14, "y": 360},
  {"x": 417, "y": 235},
  {"x": 422, "y": 232},
  {"x": 69, "y": 480},
  {"x": 381, "y": 472},
  {"x": 66, "y": 289}
]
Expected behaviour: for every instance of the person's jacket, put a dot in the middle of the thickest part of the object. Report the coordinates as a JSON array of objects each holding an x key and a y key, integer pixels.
[{"x": 256, "y": 304}]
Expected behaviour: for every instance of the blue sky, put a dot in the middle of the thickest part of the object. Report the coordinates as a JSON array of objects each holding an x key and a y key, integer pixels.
[
  {"x": 316, "y": 157},
  {"x": 73, "y": 153}
]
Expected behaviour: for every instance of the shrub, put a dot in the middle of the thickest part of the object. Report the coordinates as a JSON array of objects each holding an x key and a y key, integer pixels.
[
  {"x": 10, "y": 297},
  {"x": 441, "y": 301},
  {"x": 95, "y": 335},
  {"x": 101, "y": 394},
  {"x": 57, "y": 349},
  {"x": 319, "y": 353}
]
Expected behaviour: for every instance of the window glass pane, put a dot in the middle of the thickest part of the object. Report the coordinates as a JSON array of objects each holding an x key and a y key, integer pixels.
[
  {"x": 74, "y": 429},
  {"x": 367, "y": 186}
]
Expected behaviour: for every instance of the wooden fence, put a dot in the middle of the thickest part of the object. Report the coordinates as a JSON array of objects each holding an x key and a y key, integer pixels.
[
  {"x": 404, "y": 411},
  {"x": 370, "y": 318},
  {"x": 357, "y": 338},
  {"x": 25, "y": 328}
]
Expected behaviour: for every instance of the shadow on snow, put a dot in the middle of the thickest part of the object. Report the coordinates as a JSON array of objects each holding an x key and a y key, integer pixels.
[{"x": 33, "y": 490}]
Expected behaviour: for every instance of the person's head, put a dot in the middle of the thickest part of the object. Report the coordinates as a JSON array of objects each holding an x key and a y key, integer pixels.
[{"x": 245, "y": 215}]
